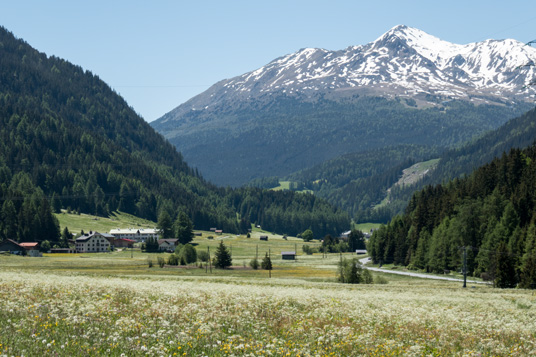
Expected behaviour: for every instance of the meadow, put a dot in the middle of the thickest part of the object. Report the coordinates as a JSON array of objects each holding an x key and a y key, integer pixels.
[{"x": 114, "y": 305}]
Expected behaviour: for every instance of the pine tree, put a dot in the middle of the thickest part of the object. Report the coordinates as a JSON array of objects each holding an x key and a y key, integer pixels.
[
  {"x": 505, "y": 273},
  {"x": 184, "y": 228},
  {"x": 266, "y": 262},
  {"x": 222, "y": 257},
  {"x": 165, "y": 225}
]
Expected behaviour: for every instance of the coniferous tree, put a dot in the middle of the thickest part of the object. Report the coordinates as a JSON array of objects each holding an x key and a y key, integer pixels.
[
  {"x": 184, "y": 228},
  {"x": 266, "y": 263},
  {"x": 165, "y": 225},
  {"x": 222, "y": 257},
  {"x": 505, "y": 273}
]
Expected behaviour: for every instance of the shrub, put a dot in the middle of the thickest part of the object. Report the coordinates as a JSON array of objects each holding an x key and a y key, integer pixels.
[
  {"x": 254, "y": 263},
  {"x": 161, "y": 262},
  {"x": 202, "y": 256},
  {"x": 379, "y": 279},
  {"x": 173, "y": 259},
  {"x": 188, "y": 254}
]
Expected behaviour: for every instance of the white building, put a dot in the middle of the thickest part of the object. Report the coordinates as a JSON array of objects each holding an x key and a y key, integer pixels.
[
  {"x": 93, "y": 242},
  {"x": 139, "y": 235},
  {"x": 167, "y": 245}
]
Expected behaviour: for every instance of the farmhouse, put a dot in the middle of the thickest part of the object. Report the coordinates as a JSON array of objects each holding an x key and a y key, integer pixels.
[
  {"x": 167, "y": 245},
  {"x": 93, "y": 242},
  {"x": 11, "y": 246},
  {"x": 123, "y": 243},
  {"x": 288, "y": 255},
  {"x": 139, "y": 235}
]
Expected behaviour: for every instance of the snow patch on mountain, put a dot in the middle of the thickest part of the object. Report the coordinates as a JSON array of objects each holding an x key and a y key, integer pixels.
[{"x": 403, "y": 62}]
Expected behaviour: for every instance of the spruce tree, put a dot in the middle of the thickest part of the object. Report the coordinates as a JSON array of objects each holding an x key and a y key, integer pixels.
[
  {"x": 222, "y": 258},
  {"x": 184, "y": 228}
]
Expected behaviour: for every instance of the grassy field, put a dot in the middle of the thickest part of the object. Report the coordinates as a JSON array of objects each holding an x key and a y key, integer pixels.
[
  {"x": 114, "y": 304},
  {"x": 78, "y": 222}
]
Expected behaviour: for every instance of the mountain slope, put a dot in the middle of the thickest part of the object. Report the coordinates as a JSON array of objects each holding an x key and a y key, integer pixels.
[
  {"x": 492, "y": 213},
  {"x": 314, "y": 105},
  {"x": 67, "y": 137}
]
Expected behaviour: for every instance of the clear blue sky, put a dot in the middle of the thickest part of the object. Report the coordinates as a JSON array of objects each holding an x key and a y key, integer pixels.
[{"x": 158, "y": 54}]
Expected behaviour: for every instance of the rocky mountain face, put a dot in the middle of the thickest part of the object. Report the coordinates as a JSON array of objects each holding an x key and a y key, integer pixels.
[{"x": 404, "y": 65}]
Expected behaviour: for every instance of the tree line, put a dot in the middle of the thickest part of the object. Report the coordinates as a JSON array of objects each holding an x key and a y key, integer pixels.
[
  {"x": 490, "y": 213},
  {"x": 84, "y": 149}
]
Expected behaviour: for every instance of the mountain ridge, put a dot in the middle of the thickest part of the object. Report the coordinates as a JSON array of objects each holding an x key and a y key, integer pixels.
[{"x": 407, "y": 87}]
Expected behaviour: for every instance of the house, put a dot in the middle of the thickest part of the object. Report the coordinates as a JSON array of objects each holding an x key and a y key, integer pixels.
[
  {"x": 30, "y": 246},
  {"x": 360, "y": 251},
  {"x": 288, "y": 255},
  {"x": 167, "y": 245},
  {"x": 264, "y": 238},
  {"x": 139, "y": 235},
  {"x": 93, "y": 242},
  {"x": 345, "y": 235},
  {"x": 12, "y": 247},
  {"x": 219, "y": 231},
  {"x": 123, "y": 243},
  {"x": 32, "y": 249}
]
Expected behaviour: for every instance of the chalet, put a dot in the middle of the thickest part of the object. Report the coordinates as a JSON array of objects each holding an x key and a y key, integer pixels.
[
  {"x": 93, "y": 242},
  {"x": 12, "y": 247},
  {"x": 139, "y": 235},
  {"x": 167, "y": 245},
  {"x": 30, "y": 246},
  {"x": 32, "y": 249},
  {"x": 288, "y": 255},
  {"x": 264, "y": 238},
  {"x": 123, "y": 243}
]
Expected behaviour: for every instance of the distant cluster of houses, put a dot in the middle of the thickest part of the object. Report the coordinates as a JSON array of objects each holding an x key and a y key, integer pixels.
[
  {"x": 95, "y": 242},
  {"x": 92, "y": 242}
]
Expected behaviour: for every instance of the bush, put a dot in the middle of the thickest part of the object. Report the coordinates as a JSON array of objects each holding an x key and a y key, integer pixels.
[
  {"x": 308, "y": 249},
  {"x": 350, "y": 271},
  {"x": 161, "y": 262},
  {"x": 188, "y": 254},
  {"x": 173, "y": 259},
  {"x": 150, "y": 262},
  {"x": 202, "y": 256},
  {"x": 367, "y": 277},
  {"x": 379, "y": 279},
  {"x": 254, "y": 263}
]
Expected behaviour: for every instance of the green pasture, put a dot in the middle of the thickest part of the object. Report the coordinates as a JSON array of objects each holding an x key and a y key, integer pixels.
[{"x": 86, "y": 222}]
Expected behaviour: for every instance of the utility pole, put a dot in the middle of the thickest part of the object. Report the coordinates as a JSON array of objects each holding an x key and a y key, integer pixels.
[
  {"x": 464, "y": 266},
  {"x": 270, "y": 257},
  {"x": 209, "y": 260}
]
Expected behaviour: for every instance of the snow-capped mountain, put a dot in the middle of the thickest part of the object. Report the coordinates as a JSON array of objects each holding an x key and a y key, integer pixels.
[
  {"x": 315, "y": 104},
  {"x": 404, "y": 62}
]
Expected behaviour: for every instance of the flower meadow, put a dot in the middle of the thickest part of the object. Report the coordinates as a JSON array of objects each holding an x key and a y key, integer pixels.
[{"x": 54, "y": 314}]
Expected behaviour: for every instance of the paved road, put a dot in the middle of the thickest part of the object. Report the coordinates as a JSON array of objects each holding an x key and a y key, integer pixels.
[{"x": 364, "y": 261}]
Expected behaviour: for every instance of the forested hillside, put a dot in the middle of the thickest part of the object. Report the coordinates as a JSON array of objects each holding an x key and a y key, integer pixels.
[
  {"x": 72, "y": 141},
  {"x": 277, "y": 135},
  {"x": 492, "y": 213},
  {"x": 357, "y": 182},
  {"x": 519, "y": 132}
]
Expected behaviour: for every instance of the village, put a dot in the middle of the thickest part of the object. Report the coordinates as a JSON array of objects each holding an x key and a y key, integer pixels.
[{"x": 133, "y": 239}]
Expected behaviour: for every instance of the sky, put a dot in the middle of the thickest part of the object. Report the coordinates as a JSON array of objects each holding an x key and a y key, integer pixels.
[{"x": 158, "y": 54}]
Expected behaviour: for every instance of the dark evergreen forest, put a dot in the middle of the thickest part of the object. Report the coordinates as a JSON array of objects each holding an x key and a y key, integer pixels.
[
  {"x": 491, "y": 212},
  {"x": 67, "y": 140}
]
